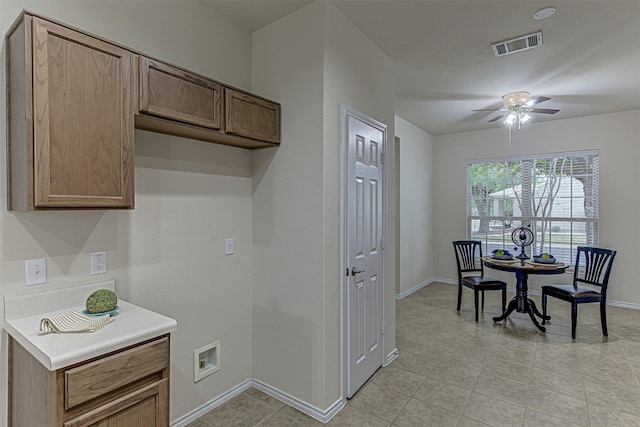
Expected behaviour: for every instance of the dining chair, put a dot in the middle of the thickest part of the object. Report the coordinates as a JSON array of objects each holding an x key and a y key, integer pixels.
[
  {"x": 469, "y": 260},
  {"x": 592, "y": 269}
]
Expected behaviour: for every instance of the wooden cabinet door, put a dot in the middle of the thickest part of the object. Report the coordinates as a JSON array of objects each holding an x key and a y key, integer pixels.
[
  {"x": 83, "y": 108},
  {"x": 172, "y": 93},
  {"x": 252, "y": 117},
  {"x": 146, "y": 407}
]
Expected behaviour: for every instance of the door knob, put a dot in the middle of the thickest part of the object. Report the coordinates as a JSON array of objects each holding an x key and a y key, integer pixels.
[{"x": 355, "y": 271}]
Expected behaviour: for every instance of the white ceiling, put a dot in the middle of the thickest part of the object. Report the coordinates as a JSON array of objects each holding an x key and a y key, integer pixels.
[{"x": 589, "y": 62}]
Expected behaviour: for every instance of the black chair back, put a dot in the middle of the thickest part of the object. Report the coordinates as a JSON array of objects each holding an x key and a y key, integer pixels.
[
  {"x": 593, "y": 266},
  {"x": 468, "y": 256}
]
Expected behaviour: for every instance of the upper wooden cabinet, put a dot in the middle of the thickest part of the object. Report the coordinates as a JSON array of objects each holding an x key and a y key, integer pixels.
[
  {"x": 71, "y": 109},
  {"x": 172, "y": 93},
  {"x": 74, "y": 99},
  {"x": 250, "y": 116},
  {"x": 179, "y": 102}
]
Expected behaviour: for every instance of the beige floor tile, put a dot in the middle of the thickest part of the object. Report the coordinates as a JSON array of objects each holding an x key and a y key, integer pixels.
[
  {"x": 278, "y": 419},
  {"x": 537, "y": 419},
  {"x": 480, "y": 373},
  {"x": 559, "y": 405},
  {"x": 299, "y": 417},
  {"x": 468, "y": 422},
  {"x": 616, "y": 400},
  {"x": 353, "y": 417},
  {"x": 262, "y": 397},
  {"x": 243, "y": 410},
  {"x": 417, "y": 363},
  {"x": 456, "y": 375},
  {"x": 606, "y": 416},
  {"x": 379, "y": 401},
  {"x": 398, "y": 379},
  {"x": 503, "y": 388},
  {"x": 506, "y": 369},
  {"x": 419, "y": 413},
  {"x": 447, "y": 396},
  {"x": 493, "y": 411}
]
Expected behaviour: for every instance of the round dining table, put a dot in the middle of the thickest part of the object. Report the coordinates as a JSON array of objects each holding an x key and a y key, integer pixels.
[{"x": 522, "y": 269}]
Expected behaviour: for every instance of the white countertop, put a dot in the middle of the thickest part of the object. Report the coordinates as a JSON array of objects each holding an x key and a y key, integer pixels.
[{"x": 131, "y": 325}]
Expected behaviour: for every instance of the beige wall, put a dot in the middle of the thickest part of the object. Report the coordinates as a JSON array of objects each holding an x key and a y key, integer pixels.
[
  {"x": 616, "y": 136},
  {"x": 312, "y": 60},
  {"x": 167, "y": 254},
  {"x": 415, "y": 247}
]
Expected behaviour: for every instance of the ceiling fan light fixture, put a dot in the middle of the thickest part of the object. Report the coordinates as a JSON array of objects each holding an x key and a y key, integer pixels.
[
  {"x": 524, "y": 118},
  {"x": 515, "y": 98},
  {"x": 510, "y": 119}
]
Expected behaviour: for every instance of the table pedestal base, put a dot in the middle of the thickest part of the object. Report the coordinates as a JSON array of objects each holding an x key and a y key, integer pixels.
[{"x": 522, "y": 304}]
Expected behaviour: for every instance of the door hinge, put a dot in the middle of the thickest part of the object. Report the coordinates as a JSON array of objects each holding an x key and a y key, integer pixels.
[
  {"x": 384, "y": 328},
  {"x": 347, "y": 272},
  {"x": 382, "y": 158}
]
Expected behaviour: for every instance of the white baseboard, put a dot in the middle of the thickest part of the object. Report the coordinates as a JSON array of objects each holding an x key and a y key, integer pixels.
[
  {"x": 311, "y": 410},
  {"x": 212, "y": 404},
  {"x": 535, "y": 292},
  {"x": 302, "y": 406},
  {"x": 423, "y": 284}
]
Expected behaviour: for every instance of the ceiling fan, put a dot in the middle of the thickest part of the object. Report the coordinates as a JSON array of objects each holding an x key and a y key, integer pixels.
[{"x": 517, "y": 106}]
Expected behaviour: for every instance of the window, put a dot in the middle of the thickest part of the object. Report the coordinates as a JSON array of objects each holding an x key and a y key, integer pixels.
[{"x": 555, "y": 195}]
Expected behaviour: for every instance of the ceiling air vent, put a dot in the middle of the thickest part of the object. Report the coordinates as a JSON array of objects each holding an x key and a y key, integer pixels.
[{"x": 518, "y": 44}]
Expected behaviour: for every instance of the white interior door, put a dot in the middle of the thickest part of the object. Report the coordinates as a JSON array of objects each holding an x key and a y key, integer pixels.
[{"x": 364, "y": 231}]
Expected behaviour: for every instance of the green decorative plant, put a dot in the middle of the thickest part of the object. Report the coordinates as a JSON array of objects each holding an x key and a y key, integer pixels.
[{"x": 101, "y": 301}]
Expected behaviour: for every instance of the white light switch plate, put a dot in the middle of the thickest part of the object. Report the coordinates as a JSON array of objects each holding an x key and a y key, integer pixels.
[
  {"x": 228, "y": 246},
  {"x": 36, "y": 271}
]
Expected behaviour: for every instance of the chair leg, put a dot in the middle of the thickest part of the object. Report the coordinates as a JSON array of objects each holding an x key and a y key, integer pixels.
[
  {"x": 459, "y": 296},
  {"x": 475, "y": 298},
  {"x": 603, "y": 317},
  {"x": 544, "y": 307},
  {"x": 574, "y": 319},
  {"x": 483, "y": 300},
  {"x": 504, "y": 300}
]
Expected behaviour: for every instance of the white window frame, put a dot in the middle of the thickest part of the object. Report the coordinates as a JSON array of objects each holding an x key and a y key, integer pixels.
[{"x": 573, "y": 229}]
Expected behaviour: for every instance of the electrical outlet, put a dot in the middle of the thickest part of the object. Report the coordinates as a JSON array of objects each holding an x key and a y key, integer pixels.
[
  {"x": 228, "y": 246},
  {"x": 36, "y": 271},
  {"x": 98, "y": 262}
]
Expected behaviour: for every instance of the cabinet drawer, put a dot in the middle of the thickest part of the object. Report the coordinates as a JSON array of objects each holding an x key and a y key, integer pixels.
[
  {"x": 252, "y": 117},
  {"x": 102, "y": 376},
  {"x": 172, "y": 93}
]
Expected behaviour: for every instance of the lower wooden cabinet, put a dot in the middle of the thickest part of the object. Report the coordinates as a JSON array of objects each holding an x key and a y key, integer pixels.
[{"x": 129, "y": 387}]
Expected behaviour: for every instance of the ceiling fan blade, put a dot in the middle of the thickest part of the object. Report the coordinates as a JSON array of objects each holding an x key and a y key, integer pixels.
[
  {"x": 538, "y": 100},
  {"x": 542, "y": 110},
  {"x": 491, "y": 109},
  {"x": 497, "y": 118}
]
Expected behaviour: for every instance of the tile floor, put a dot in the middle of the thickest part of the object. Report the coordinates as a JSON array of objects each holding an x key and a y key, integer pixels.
[{"x": 453, "y": 371}]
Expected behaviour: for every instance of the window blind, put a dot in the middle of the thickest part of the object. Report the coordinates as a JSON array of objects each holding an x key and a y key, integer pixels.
[{"x": 556, "y": 195}]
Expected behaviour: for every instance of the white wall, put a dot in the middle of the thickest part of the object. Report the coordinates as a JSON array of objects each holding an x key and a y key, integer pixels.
[
  {"x": 312, "y": 61},
  {"x": 167, "y": 254},
  {"x": 415, "y": 247},
  {"x": 616, "y": 136}
]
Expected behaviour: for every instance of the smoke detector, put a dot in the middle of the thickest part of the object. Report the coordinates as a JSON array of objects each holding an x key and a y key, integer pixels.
[{"x": 517, "y": 44}]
